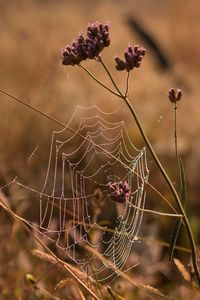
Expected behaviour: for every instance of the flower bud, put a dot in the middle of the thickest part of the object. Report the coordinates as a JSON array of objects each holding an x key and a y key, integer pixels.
[
  {"x": 119, "y": 191},
  {"x": 90, "y": 47},
  {"x": 133, "y": 58},
  {"x": 120, "y": 65},
  {"x": 174, "y": 95}
]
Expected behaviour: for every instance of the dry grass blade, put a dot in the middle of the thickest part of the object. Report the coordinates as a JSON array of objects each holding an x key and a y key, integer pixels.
[
  {"x": 155, "y": 211},
  {"x": 65, "y": 282},
  {"x": 146, "y": 288},
  {"x": 182, "y": 270},
  {"x": 70, "y": 282},
  {"x": 32, "y": 281},
  {"x": 183, "y": 183},
  {"x": 44, "y": 256},
  {"x": 114, "y": 295},
  {"x": 50, "y": 258},
  {"x": 96, "y": 145},
  {"x": 67, "y": 267},
  {"x": 174, "y": 238},
  {"x": 72, "y": 270}
]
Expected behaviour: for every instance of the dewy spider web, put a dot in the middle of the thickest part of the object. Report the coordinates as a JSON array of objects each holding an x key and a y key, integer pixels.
[{"x": 76, "y": 211}]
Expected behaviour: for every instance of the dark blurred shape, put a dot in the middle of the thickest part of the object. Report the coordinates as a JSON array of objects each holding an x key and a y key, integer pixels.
[{"x": 162, "y": 59}]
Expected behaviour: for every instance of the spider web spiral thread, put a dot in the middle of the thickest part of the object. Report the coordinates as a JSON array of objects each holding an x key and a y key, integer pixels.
[{"x": 74, "y": 201}]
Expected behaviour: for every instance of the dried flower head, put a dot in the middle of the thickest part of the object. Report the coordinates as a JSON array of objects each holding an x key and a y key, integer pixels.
[
  {"x": 133, "y": 58},
  {"x": 89, "y": 47},
  {"x": 174, "y": 95},
  {"x": 119, "y": 191}
]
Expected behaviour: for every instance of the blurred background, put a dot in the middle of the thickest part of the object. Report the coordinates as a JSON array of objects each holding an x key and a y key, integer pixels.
[{"x": 32, "y": 35}]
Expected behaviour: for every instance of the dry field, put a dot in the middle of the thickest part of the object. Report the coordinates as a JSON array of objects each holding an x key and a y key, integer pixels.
[{"x": 32, "y": 34}]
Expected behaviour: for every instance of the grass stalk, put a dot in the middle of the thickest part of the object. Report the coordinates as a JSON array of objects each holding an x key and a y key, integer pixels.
[
  {"x": 163, "y": 172},
  {"x": 96, "y": 145}
]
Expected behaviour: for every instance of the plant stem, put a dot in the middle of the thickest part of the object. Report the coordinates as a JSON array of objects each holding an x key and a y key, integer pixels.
[
  {"x": 162, "y": 170},
  {"x": 127, "y": 84},
  {"x": 96, "y": 145},
  {"x": 170, "y": 184},
  {"x": 99, "y": 82},
  {"x": 110, "y": 76},
  {"x": 26, "y": 225},
  {"x": 155, "y": 211},
  {"x": 176, "y": 139}
]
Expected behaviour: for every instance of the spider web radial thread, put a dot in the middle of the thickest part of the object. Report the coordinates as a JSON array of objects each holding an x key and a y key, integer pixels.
[{"x": 76, "y": 211}]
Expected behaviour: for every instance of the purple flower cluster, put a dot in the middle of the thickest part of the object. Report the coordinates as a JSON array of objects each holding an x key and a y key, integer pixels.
[
  {"x": 118, "y": 191},
  {"x": 96, "y": 40},
  {"x": 133, "y": 58},
  {"x": 174, "y": 95}
]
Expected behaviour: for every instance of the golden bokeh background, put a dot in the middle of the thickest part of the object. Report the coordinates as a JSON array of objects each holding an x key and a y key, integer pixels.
[{"x": 32, "y": 35}]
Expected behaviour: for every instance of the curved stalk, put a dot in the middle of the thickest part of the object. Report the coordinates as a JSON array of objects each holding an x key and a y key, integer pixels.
[
  {"x": 70, "y": 129},
  {"x": 127, "y": 84},
  {"x": 110, "y": 76},
  {"x": 163, "y": 172},
  {"x": 99, "y": 82},
  {"x": 171, "y": 186},
  {"x": 175, "y": 135}
]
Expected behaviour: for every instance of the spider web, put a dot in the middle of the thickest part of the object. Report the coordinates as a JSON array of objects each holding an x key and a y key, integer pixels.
[{"x": 75, "y": 209}]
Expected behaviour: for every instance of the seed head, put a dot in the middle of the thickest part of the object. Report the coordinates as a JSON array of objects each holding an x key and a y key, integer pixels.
[
  {"x": 120, "y": 64},
  {"x": 174, "y": 95},
  {"x": 89, "y": 47},
  {"x": 98, "y": 33},
  {"x": 133, "y": 58},
  {"x": 119, "y": 191}
]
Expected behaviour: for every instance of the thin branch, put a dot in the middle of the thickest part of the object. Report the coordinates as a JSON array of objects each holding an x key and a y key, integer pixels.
[
  {"x": 89, "y": 140},
  {"x": 65, "y": 265},
  {"x": 164, "y": 244},
  {"x": 99, "y": 82},
  {"x": 163, "y": 172},
  {"x": 110, "y": 76},
  {"x": 155, "y": 212},
  {"x": 176, "y": 139},
  {"x": 46, "y": 272},
  {"x": 33, "y": 108},
  {"x": 127, "y": 83},
  {"x": 111, "y": 293},
  {"x": 171, "y": 186},
  {"x": 137, "y": 285},
  {"x": 97, "y": 282}
]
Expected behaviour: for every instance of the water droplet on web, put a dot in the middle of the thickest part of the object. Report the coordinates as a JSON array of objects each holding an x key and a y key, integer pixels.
[{"x": 101, "y": 165}]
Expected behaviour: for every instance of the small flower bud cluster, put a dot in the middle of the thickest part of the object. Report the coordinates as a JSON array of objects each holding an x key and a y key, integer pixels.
[
  {"x": 96, "y": 40},
  {"x": 174, "y": 95},
  {"x": 133, "y": 58},
  {"x": 119, "y": 191}
]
